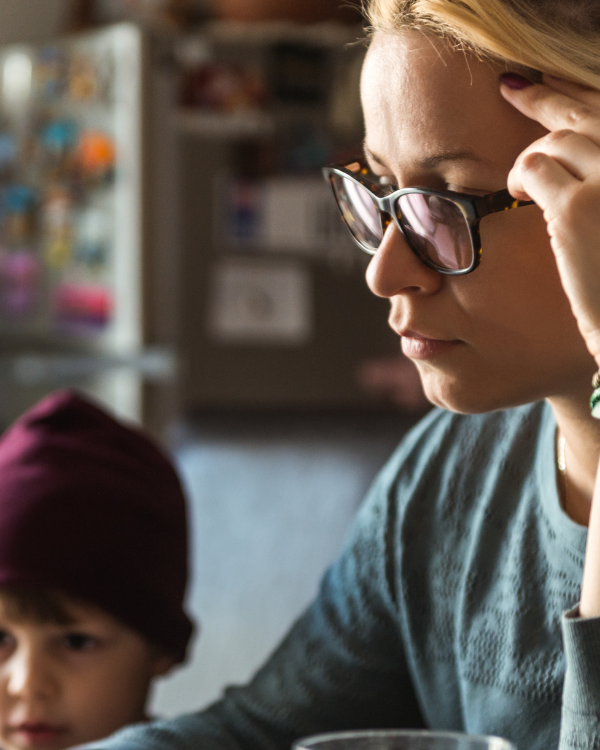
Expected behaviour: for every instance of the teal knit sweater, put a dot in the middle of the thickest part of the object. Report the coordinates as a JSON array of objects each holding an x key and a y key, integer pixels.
[{"x": 443, "y": 611}]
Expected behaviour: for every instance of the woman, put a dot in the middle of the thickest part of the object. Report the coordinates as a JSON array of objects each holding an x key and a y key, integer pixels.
[{"x": 445, "y": 608}]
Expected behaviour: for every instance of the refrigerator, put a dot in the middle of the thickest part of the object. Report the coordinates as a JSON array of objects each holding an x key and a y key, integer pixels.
[{"x": 88, "y": 247}]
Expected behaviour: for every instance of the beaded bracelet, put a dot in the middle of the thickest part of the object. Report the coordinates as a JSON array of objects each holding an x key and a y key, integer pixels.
[{"x": 595, "y": 399}]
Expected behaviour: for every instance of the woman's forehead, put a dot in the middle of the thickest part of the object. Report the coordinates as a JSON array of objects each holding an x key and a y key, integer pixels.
[{"x": 422, "y": 99}]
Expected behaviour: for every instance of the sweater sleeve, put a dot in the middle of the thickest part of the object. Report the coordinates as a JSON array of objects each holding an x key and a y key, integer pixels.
[
  {"x": 341, "y": 666},
  {"x": 580, "y": 725}
]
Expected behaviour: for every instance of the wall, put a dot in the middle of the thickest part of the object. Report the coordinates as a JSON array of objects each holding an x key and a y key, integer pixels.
[
  {"x": 31, "y": 20},
  {"x": 271, "y": 502}
]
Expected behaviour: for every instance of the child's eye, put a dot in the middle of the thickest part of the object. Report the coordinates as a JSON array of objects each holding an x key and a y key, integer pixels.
[
  {"x": 6, "y": 639},
  {"x": 79, "y": 642}
]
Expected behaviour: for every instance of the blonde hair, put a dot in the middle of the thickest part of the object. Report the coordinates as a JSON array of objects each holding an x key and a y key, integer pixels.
[{"x": 561, "y": 37}]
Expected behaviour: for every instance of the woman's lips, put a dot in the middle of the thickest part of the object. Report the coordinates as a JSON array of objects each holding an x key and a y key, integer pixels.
[
  {"x": 37, "y": 734},
  {"x": 415, "y": 346}
]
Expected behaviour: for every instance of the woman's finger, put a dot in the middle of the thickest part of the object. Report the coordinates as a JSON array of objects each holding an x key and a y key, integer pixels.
[
  {"x": 541, "y": 178},
  {"x": 561, "y": 173},
  {"x": 576, "y": 91},
  {"x": 575, "y": 152},
  {"x": 571, "y": 211},
  {"x": 555, "y": 110}
]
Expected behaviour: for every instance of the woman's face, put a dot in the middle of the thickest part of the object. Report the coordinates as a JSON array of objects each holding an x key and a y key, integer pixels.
[{"x": 503, "y": 335}]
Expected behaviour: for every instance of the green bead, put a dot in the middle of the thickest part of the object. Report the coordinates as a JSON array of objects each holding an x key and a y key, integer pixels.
[{"x": 595, "y": 404}]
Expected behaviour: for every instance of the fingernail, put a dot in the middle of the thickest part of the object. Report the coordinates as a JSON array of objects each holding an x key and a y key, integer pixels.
[{"x": 515, "y": 81}]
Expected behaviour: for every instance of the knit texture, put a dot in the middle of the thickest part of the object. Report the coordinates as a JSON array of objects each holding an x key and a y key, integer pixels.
[{"x": 443, "y": 611}]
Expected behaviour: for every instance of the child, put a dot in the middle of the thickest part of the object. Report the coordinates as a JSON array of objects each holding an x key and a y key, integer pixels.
[{"x": 93, "y": 568}]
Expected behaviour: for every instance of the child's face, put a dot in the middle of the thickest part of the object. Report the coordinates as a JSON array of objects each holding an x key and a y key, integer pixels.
[{"x": 63, "y": 685}]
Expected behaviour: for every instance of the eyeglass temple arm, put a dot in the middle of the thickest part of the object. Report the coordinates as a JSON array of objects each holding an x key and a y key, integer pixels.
[{"x": 502, "y": 200}]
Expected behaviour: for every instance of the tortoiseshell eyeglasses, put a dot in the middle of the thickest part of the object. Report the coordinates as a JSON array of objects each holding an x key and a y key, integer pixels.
[{"x": 441, "y": 227}]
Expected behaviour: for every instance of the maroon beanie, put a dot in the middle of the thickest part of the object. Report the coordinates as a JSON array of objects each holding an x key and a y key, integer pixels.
[{"x": 94, "y": 509}]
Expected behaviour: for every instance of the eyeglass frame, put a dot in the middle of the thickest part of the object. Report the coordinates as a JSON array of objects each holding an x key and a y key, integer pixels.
[{"x": 473, "y": 207}]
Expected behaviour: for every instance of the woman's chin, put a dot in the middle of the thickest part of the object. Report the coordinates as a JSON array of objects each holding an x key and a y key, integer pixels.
[{"x": 465, "y": 397}]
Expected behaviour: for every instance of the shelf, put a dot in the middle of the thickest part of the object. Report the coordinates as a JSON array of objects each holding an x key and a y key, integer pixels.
[
  {"x": 225, "y": 125},
  {"x": 154, "y": 364},
  {"x": 326, "y": 33}
]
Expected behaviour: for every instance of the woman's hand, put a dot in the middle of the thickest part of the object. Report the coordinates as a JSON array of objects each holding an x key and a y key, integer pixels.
[{"x": 561, "y": 173}]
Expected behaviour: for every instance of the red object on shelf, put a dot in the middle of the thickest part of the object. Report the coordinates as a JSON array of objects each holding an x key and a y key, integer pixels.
[
  {"x": 83, "y": 306},
  {"x": 223, "y": 87}
]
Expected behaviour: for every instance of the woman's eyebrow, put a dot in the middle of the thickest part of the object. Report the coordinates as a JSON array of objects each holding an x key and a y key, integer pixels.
[{"x": 430, "y": 162}]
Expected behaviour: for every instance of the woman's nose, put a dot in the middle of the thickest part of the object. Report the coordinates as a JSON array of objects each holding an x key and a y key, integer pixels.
[
  {"x": 395, "y": 269},
  {"x": 30, "y": 676}
]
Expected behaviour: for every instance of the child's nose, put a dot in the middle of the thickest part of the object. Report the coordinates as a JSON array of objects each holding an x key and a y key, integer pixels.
[
  {"x": 395, "y": 268},
  {"x": 30, "y": 676}
]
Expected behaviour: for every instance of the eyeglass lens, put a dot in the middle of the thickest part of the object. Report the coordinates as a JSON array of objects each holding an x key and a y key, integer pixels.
[
  {"x": 434, "y": 226},
  {"x": 437, "y": 229},
  {"x": 359, "y": 211}
]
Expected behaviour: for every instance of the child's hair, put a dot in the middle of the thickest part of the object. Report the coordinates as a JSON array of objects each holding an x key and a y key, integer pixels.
[
  {"x": 34, "y": 605},
  {"x": 561, "y": 37},
  {"x": 92, "y": 508}
]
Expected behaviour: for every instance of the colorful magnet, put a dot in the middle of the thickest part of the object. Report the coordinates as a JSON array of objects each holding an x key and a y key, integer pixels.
[
  {"x": 56, "y": 209},
  {"x": 19, "y": 199},
  {"x": 94, "y": 233},
  {"x": 59, "y": 136},
  {"x": 50, "y": 72},
  {"x": 9, "y": 152},
  {"x": 58, "y": 227},
  {"x": 19, "y": 282},
  {"x": 96, "y": 155},
  {"x": 80, "y": 307},
  {"x": 94, "y": 255},
  {"x": 18, "y": 208},
  {"x": 59, "y": 252},
  {"x": 83, "y": 79}
]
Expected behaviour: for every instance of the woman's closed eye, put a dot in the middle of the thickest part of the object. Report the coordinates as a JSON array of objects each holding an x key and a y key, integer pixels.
[
  {"x": 7, "y": 639},
  {"x": 389, "y": 184},
  {"x": 78, "y": 642},
  {"x": 467, "y": 190}
]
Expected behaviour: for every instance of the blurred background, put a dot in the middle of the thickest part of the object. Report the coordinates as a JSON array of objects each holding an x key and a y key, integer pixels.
[{"x": 168, "y": 245}]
